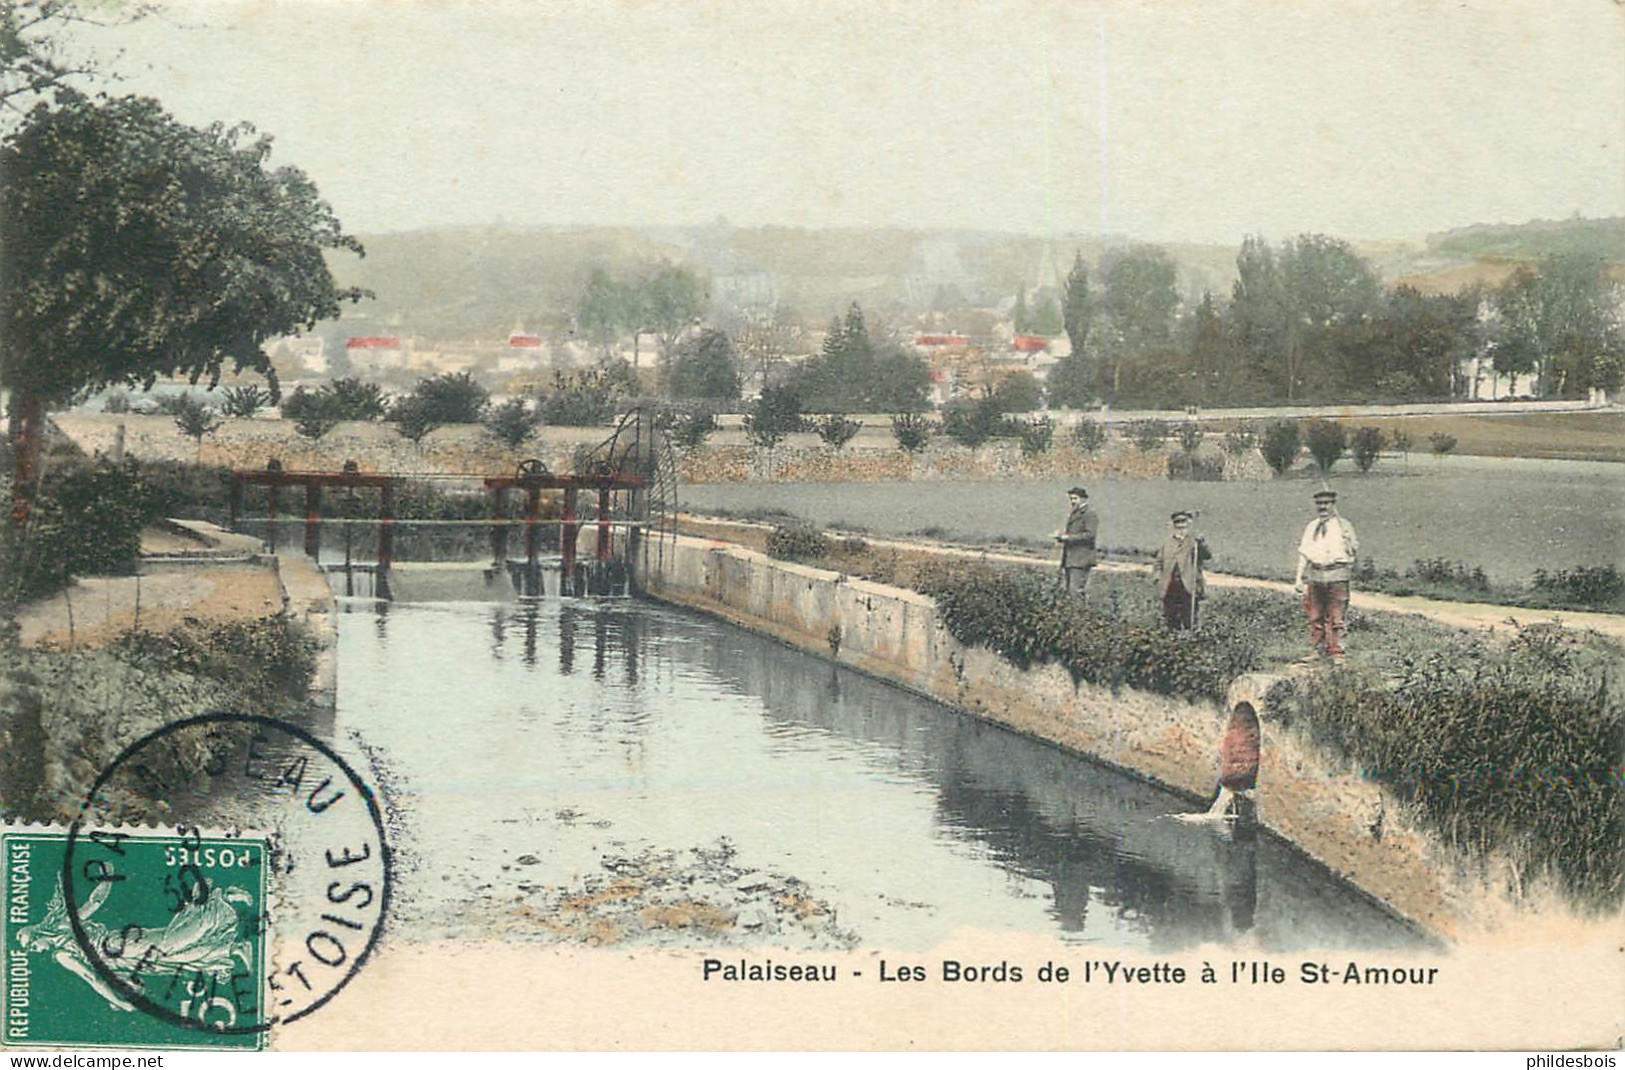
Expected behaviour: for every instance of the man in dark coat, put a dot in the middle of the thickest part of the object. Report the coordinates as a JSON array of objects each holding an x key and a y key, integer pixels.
[
  {"x": 1178, "y": 573},
  {"x": 1077, "y": 541}
]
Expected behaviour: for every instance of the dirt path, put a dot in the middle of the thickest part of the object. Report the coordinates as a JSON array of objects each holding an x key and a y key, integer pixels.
[{"x": 1476, "y": 615}]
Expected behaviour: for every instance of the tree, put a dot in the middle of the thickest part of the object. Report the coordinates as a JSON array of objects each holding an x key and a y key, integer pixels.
[
  {"x": 583, "y": 399},
  {"x": 133, "y": 247},
  {"x": 1562, "y": 322},
  {"x": 1019, "y": 392},
  {"x": 763, "y": 340},
  {"x": 1368, "y": 443},
  {"x": 1327, "y": 441},
  {"x": 850, "y": 375},
  {"x": 606, "y": 312},
  {"x": 1139, "y": 301},
  {"x": 1280, "y": 444},
  {"x": 195, "y": 420},
  {"x": 450, "y": 398},
  {"x": 705, "y": 367},
  {"x": 668, "y": 304},
  {"x": 242, "y": 402},
  {"x": 1077, "y": 306},
  {"x": 912, "y": 431},
  {"x": 353, "y": 399},
  {"x": 35, "y": 59},
  {"x": 775, "y": 415},
  {"x": 1328, "y": 290},
  {"x": 310, "y": 413},
  {"x": 511, "y": 423},
  {"x": 836, "y": 430}
]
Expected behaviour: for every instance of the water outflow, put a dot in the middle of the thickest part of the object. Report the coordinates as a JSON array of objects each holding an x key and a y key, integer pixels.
[{"x": 531, "y": 744}]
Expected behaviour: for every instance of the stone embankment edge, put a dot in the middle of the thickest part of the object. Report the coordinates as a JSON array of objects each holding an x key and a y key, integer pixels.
[
  {"x": 1328, "y": 810},
  {"x": 309, "y": 601}
]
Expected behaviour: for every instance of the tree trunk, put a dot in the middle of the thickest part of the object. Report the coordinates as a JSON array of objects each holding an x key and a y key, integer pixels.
[{"x": 26, "y": 430}]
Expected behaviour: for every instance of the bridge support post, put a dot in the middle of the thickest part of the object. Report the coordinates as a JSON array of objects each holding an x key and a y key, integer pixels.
[
  {"x": 386, "y": 526},
  {"x": 313, "y": 520},
  {"x": 499, "y": 530},
  {"x": 568, "y": 532}
]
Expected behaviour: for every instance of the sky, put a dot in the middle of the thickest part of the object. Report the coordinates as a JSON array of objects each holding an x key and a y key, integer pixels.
[{"x": 1163, "y": 121}]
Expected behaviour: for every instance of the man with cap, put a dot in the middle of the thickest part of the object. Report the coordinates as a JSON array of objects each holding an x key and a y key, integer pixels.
[
  {"x": 1178, "y": 572},
  {"x": 1077, "y": 541},
  {"x": 1325, "y": 565}
]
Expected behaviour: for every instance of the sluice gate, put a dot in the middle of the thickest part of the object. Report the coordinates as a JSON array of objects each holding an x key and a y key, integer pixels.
[{"x": 590, "y": 532}]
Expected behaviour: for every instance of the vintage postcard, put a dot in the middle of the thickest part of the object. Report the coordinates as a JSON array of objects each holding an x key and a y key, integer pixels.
[{"x": 1013, "y": 525}]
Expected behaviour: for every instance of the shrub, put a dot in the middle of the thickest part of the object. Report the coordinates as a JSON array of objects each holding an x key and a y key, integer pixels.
[
  {"x": 584, "y": 399},
  {"x": 1148, "y": 434},
  {"x": 312, "y": 416},
  {"x": 971, "y": 423},
  {"x": 268, "y": 661},
  {"x": 1240, "y": 439},
  {"x": 1037, "y": 435},
  {"x": 689, "y": 430},
  {"x": 1601, "y": 587},
  {"x": 242, "y": 402},
  {"x": 836, "y": 430},
  {"x": 1368, "y": 443},
  {"x": 1446, "y": 573},
  {"x": 1195, "y": 467},
  {"x": 1027, "y": 619},
  {"x": 912, "y": 431},
  {"x": 773, "y": 416},
  {"x": 1441, "y": 443},
  {"x": 1280, "y": 445},
  {"x": 195, "y": 419},
  {"x": 797, "y": 543},
  {"x": 1326, "y": 440},
  {"x": 1190, "y": 436},
  {"x": 86, "y": 520},
  {"x": 117, "y": 402},
  {"x": 1402, "y": 443},
  {"x": 450, "y": 398},
  {"x": 511, "y": 423},
  {"x": 1514, "y": 750},
  {"x": 1088, "y": 435}
]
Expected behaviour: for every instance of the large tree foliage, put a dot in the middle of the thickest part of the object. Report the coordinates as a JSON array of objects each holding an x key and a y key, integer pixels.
[
  {"x": 851, "y": 374},
  {"x": 1561, "y": 321},
  {"x": 705, "y": 367},
  {"x": 35, "y": 58},
  {"x": 134, "y": 247},
  {"x": 1139, "y": 301}
]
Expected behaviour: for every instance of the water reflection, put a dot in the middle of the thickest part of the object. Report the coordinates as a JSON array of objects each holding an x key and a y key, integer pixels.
[{"x": 912, "y": 819}]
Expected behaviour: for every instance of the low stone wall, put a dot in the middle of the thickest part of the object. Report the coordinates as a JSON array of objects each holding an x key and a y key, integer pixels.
[{"x": 1308, "y": 797}]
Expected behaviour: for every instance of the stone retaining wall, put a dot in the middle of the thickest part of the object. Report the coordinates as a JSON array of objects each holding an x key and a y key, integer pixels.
[{"x": 1312, "y": 799}]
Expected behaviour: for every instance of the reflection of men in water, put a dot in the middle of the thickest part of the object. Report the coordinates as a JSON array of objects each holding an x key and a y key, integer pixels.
[
  {"x": 1179, "y": 573},
  {"x": 199, "y": 939},
  {"x": 1077, "y": 541},
  {"x": 1325, "y": 566}
]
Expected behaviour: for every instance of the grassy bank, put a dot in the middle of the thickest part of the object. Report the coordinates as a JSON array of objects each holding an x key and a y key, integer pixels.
[
  {"x": 1513, "y": 748},
  {"x": 64, "y": 715}
]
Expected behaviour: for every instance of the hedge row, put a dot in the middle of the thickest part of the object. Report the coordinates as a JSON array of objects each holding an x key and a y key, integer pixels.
[
  {"x": 1520, "y": 749},
  {"x": 1026, "y": 618}
]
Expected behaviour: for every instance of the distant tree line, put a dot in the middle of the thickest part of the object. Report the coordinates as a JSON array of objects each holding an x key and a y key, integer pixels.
[{"x": 1310, "y": 321}]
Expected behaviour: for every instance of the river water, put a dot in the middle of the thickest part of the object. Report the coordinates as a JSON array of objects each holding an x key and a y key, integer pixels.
[{"x": 551, "y": 761}]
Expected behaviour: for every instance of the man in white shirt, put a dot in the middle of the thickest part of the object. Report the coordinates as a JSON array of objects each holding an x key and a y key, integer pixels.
[{"x": 1325, "y": 566}]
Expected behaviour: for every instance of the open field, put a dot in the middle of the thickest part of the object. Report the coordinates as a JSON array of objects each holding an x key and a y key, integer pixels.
[
  {"x": 1581, "y": 436},
  {"x": 1508, "y": 517}
]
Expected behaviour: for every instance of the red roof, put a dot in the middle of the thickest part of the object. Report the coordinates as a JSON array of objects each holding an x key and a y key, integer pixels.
[
  {"x": 375, "y": 342},
  {"x": 1029, "y": 343},
  {"x": 525, "y": 341},
  {"x": 941, "y": 340}
]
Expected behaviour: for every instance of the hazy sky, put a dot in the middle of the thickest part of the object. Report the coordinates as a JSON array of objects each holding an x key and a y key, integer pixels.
[{"x": 1167, "y": 121}]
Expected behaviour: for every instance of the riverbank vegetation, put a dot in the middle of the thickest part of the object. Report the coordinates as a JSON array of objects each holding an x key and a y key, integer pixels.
[{"x": 1513, "y": 747}]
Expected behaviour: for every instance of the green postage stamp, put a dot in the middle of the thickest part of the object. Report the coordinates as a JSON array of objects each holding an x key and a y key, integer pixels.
[{"x": 133, "y": 939}]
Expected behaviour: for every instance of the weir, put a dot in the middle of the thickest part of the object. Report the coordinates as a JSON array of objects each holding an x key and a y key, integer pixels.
[{"x": 585, "y": 533}]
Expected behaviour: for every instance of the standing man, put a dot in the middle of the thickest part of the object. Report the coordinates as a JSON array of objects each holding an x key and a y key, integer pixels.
[
  {"x": 1325, "y": 565},
  {"x": 1178, "y": 573},
  {"x": 1078, "y": 543}
]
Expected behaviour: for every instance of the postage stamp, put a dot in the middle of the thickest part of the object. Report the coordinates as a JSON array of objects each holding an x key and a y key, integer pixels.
[
  {"x": 163, "y": 944},
  {"x": 697, "y": 524}
]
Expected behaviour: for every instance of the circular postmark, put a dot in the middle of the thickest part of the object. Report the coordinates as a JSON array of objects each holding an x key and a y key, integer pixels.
[{"x": 231, "y": 931}]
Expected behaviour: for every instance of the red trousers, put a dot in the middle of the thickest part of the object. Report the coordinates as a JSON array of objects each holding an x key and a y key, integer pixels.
[{"x": 1325, "y": 603}]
